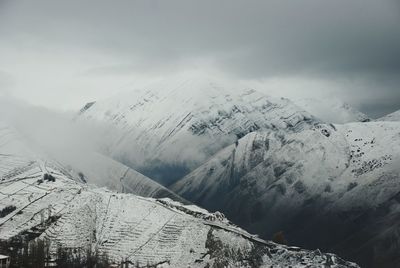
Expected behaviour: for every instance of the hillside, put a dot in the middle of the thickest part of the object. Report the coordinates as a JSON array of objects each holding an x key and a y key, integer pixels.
[
  {"x": 331, "y": 186},
  {"x": 395, "y": 116}
]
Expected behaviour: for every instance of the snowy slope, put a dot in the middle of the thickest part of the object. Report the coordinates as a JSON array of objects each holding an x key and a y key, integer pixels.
[
  {"x": 170, "y": 127},
  {"x": 395, "y": 116},
  {"x": 89, "y": 167},
  {"x": 331, "y": 110},
  {"x": 103, "y": 171},
  {"x": 321, "y": 186},
  {"x": 141, "y": 230}
]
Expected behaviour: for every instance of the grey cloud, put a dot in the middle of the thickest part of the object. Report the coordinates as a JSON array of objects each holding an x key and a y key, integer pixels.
[
  {"x": 6, "y": 82},
  {"x": 332, "y": 40},
  {"x": 261, "y": 37},
  {"x": 53, "y": 132}
]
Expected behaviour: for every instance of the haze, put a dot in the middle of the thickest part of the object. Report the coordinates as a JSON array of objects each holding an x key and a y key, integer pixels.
[{"x": 62, "y": 54}]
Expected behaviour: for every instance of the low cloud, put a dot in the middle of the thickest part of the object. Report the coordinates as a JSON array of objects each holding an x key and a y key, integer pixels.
[{"x": 53, "y": 133}]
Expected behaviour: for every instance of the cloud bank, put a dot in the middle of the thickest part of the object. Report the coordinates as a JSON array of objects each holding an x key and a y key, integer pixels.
[{"x": 82, "y": 50}]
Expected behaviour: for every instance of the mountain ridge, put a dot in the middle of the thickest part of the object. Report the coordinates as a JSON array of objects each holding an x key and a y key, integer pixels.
[{"x": 310, "y": 184}]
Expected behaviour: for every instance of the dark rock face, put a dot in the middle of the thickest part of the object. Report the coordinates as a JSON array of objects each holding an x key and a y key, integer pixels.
[
  {"x": 86, "y": 107},
  {"x": 333, "y": 192},
  {"x": 367, "y": 236}
]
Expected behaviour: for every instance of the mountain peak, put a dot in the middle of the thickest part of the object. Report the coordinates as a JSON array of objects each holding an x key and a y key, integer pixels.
[{"x": 182, "y": 122}]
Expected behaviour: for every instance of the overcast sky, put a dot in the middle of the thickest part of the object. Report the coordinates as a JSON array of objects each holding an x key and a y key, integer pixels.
[{"x": 63, "y": 53}]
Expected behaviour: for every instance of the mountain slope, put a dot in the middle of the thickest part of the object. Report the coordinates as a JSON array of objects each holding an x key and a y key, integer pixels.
[
  {"x": 88, "y": 167},
  {"x": 331, "y": 110},
  {"x": 42, "y": 199},
  {"x": 171, "y": 127},
  {"x": 321, "y": 186},
  {"x": 395, "y": 116},
  {"x": 103, "y": 171}
]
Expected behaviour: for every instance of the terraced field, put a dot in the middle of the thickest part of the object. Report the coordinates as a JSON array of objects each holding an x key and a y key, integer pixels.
[{"x": 130, "y": 228}]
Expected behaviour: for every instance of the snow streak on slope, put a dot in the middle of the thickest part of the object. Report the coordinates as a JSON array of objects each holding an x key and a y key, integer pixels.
[
  {"x": 395, "y": 116},
  {"x": 142, "y": 230},
  {"x": 180, "y": 124},
  {"x": 322, "y": 186},
  {"x": 331, "y": 110}
]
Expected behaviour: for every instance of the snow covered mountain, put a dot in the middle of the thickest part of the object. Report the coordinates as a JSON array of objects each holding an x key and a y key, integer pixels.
[
  {"x": 331, "y": 110},
  {"x": 171, "y": 127},
  {"x": 395, "y": 116},
  {"x": 335, "y": 186},
  {"x": 42, "y": 199}
]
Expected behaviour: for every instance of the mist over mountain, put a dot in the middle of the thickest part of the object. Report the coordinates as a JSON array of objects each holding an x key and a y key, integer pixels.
[
  {"x": 282, "y": 168},
  {"x": 165, "y": 132},
  {"x": 332, "y": 110}
]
